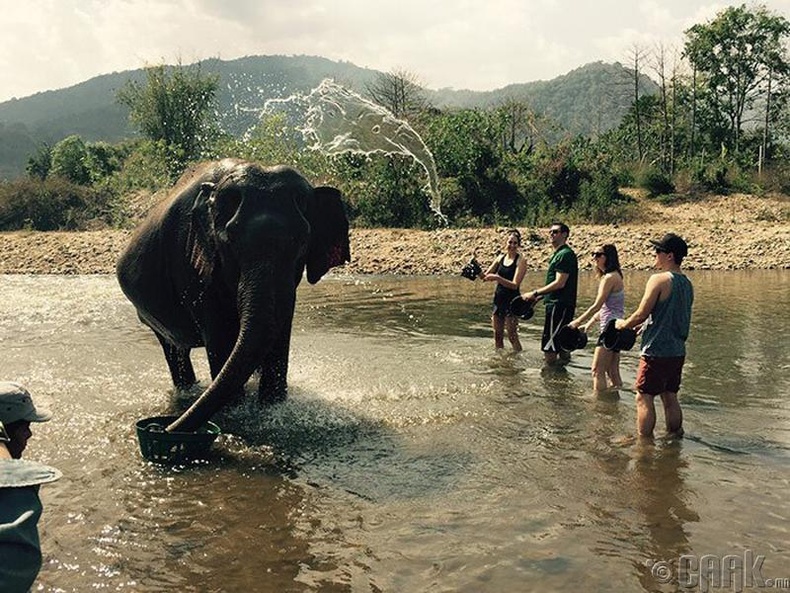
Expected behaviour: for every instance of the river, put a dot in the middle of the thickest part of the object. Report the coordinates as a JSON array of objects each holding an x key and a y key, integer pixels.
[{"x": 410, "y": 456}]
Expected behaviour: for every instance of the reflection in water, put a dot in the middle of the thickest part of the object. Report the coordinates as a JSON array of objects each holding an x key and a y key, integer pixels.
[
  {"x": 656, "y": 478},
  {"x": 410, "y": 456}
]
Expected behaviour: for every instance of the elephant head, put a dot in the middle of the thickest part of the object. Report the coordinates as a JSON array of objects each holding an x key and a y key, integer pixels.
[{"x": 229, "y": 251}]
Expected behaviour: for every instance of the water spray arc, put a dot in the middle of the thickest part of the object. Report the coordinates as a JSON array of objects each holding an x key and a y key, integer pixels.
[{"x": 336, "y": 120}]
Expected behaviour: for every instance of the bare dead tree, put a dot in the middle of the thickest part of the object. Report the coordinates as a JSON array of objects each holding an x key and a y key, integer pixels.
[
  {"x": 660, "y": 70},
  {"x": 519, "y": 125},
  {"x": 399, "y": 91},
  {"x": 635, "y": 57}
]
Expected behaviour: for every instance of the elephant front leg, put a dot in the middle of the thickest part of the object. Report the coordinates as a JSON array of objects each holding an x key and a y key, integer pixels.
[
  {"x": 273, "y": 386},
  {"x": 179, "y": 363}
]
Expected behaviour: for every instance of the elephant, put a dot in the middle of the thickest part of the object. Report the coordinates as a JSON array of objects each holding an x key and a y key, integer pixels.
[{"x": 217, "y": 264}]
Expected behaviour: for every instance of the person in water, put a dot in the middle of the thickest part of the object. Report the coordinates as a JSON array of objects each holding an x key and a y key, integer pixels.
[
  {"x": 507, "y": 271},
  {"x": 609, "y": 304},
  {"x": 20, "y": 505},
  {"x": 559, "y": 292},
  {"x": 665, "y": 315}
]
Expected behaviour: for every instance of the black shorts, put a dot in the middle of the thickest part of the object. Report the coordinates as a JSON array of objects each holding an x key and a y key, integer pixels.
[
  {"x": 558, "y": 315},
  {"x": 502, "y": 301}
]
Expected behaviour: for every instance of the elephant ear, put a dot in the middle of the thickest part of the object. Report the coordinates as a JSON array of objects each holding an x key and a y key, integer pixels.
[
  {"x": 201, "y": 256},
  {"x": 329, "y": 245}
]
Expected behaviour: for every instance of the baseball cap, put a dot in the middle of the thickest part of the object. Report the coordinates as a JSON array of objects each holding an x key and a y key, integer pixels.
[
  {"x": 16, "y": 404},
  {"x": 672, "y": 243}
]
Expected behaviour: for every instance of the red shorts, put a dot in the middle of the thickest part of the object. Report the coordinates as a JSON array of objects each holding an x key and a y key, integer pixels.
[{"x": 658, "y": 375}]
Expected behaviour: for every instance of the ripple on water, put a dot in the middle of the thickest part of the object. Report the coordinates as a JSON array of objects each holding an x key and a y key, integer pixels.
[{"x": 409, "y": 455}]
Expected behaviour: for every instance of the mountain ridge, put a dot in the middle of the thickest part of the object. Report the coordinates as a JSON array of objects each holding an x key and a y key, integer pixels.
[{"x": 90, "y": 110}]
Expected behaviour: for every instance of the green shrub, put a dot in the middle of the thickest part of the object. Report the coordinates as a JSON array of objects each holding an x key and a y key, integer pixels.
[
  {"x": 53, "y": 204},
  {"x": 147, "y": 167},
  {"x": 600, "y": 200},
  {"x": 655, "y": 182},
  {"x": 69, "y": 158},
  {"x": 711, "y": 177},
  {"x": 387, "y": 192}
]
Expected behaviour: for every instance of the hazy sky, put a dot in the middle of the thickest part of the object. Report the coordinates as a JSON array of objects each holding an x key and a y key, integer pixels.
[{"x": 480, "y": 44}]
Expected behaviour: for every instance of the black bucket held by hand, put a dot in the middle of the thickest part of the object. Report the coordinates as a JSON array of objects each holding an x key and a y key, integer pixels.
[
  {"x": 520, "y": 307},
  {"x": 571, "y": 338},
  {"x": 617, "y": 339},
  {"x": 472, "y": 269}
]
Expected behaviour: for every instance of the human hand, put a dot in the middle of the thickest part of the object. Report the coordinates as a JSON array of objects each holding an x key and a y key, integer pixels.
[
  {"x": 619, "y": 324},
  {"x": 490, "y": 277}
]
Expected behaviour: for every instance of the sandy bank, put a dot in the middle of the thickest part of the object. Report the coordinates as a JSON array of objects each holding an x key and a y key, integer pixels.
[{"x": 724, "y": 233}]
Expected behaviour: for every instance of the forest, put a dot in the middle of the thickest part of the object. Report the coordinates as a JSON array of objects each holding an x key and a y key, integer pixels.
[{"x": 717, "y": 122}]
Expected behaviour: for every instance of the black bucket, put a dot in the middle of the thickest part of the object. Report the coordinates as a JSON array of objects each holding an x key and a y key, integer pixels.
[{"x": 174, "y": 448}]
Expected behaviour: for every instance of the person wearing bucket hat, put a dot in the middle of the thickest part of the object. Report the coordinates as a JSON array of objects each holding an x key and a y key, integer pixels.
[
  {"x": 507, "y": 270},
  {"x": 559, "y": 293},
  {"x": 20, "y": 505},
  {"x": 609, "y": 304},
  {"x": 665, "y": 316}
]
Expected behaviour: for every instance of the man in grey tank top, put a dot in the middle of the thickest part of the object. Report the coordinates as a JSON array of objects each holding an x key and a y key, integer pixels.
[{"x": 665, "y": 316}]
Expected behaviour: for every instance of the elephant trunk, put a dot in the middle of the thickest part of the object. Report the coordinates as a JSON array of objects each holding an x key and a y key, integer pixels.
[{"x": 259, "y": 307}]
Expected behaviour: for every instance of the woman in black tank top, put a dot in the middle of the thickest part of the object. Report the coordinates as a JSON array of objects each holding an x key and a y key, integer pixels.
[{"x": 507, "y": 271}]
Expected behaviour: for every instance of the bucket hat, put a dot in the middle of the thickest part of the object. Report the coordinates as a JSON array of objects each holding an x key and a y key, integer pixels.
[
  {"x": 16, "y": 404},
  {"x": 617, "y": 339},
  {"x": 520, "y": 307},
  {"x": 570, "y": 338},
  {"x": 472, "y": 269}
]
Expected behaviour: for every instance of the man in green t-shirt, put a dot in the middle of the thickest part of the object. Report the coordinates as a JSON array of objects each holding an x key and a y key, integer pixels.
[{"x": 559, "y": 292}]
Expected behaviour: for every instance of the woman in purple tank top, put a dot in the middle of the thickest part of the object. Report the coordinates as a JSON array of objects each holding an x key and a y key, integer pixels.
[{"x": 609, "y": 304}]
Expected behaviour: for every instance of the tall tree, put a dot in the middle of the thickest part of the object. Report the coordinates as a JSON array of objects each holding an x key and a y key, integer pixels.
[
  {"x": 738, "y": 53},
  {"x": 636, "y": 55},
  {"x": 175, "y": 105},
  {"x": 401, "y": 92},
  {"x": 39, "y": 163},
  {"x": 68, "y": 160},
  {"x": 518, "y": 125}
]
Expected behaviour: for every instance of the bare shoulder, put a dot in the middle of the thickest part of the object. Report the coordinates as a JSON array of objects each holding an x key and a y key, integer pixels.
[
  {"x": 661, "y": 283},
  {"x": 613, "y": 281},
  {"x": 660, "y": 278}
]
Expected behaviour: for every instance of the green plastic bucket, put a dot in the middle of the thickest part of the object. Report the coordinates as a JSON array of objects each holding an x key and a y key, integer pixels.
[{"x": 174, "y": 447}]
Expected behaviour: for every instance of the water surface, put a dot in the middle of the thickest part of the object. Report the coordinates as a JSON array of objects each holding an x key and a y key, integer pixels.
[{"x": 410, "y": 455}]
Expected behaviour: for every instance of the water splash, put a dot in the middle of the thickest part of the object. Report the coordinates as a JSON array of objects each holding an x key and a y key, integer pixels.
[{"x": 336, "y": 120}]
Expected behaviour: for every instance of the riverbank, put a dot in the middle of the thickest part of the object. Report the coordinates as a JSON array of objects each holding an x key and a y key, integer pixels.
[{"x": 724, "y": 233}]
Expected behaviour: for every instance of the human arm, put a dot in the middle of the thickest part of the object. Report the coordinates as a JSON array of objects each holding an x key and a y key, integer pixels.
[
  {"x": 559, "y": 282},
  {"x": 518, "y": 277},
  {"x": 656, "y": 287},
  {"x": 593, "y": 319},
  {"x": 491, "y": 270},
  {"x": 605, "y": 287}
]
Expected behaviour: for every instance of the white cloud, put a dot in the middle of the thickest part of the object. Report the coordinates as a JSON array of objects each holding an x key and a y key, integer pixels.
[{"x": 47, "y": 44}]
